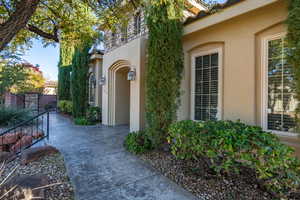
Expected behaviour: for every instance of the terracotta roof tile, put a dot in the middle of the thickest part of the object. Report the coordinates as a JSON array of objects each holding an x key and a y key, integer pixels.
[{"x": 213, "y": 10}]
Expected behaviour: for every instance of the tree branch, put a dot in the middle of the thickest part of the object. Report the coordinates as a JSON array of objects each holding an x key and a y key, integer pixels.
[
  {"x": 17, "y": 21},
  {"x": 36, "y": 30}
]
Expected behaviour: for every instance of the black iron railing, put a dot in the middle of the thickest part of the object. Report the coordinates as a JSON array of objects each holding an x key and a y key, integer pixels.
[{"x": 25, "y": 134}]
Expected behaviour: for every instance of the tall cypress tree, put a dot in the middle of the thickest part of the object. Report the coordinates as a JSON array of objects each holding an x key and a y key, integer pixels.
[
  {"x": 293, "y": 38},
  {"x": 79, "y": 79},
  {"x": 165, "y": 66},
  {"x": 64, "y": 70}
]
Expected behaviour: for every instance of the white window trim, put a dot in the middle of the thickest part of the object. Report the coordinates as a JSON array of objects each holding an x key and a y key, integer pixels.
[
  {"x": 220, "y": 80},
  {"x": 264, "y": 82}
]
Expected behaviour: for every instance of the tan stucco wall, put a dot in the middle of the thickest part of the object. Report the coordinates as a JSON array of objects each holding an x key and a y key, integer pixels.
[
  {"x": 134, "y": 54},
  {"x": 240, "y": 39}
]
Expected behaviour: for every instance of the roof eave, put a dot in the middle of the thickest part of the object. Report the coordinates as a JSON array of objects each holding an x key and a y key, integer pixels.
[{"x": 227, "y": 13}]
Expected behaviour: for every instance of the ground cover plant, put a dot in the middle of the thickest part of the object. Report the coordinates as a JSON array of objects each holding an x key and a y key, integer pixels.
[
  {"x": 226, "y": 147},
  {"x": 10, "y": 116}
]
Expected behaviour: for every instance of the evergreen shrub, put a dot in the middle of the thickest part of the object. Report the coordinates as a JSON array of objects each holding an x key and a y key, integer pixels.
[
  {"x": 137, "y": 142},
  {"x": 231, "y": 145},
  {"x": 65, "y": 106},
  {"x": 82, "y": 121},
  {"x": 93, "y": 114},
  {"x": 10, "y": 116}
]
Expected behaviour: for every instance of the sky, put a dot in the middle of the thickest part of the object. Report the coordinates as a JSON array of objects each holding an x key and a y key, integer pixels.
[{"x": 47, "y": 57}]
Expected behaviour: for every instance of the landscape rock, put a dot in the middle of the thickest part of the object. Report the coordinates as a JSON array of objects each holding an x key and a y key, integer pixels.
[
  {"x": 10, "y": 138},
  {"x": 37, "y": 135},
  {"x": 7, "y": 156},
  {"x": 35, "y": 153},
  {"x": 23, "y": 142},
  {"x": 27, "y": 187}
]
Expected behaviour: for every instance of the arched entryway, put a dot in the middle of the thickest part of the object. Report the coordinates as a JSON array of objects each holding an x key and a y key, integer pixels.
[{"x": 119, "y": 94}]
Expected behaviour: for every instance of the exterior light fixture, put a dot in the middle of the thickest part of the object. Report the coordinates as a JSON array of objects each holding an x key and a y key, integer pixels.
[
  {"x": 131, "y": 75},
  {"x": 102, "y": 80}
]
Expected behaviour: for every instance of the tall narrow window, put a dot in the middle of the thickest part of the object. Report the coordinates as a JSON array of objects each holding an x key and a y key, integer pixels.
[
  {"x": 92, "y": 89},
  {"x": 137, "y": 24},
  {"x": 281, "y": 101},
  {"x": 113, "y": 39},
  {"x": 206, "y": 87},
  {"x": 124, "y": 34}
]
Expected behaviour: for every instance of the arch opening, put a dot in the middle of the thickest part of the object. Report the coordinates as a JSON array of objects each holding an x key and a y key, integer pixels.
[{"x": 119, "y": 94}]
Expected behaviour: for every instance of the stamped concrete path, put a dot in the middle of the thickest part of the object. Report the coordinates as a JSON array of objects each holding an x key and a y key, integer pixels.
[{"x": 101, "y": 169}]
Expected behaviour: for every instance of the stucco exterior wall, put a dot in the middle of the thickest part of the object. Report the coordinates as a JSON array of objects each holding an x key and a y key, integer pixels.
[
  {"x": 133, "y": 55},
  {"x": 240, "y": 40}
]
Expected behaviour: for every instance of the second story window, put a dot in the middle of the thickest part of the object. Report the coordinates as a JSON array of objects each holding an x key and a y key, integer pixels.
[
  {"x": 124, "y": 34},
  {"x": 113, "y": 39},
  {"x": 137, "y": 24}
]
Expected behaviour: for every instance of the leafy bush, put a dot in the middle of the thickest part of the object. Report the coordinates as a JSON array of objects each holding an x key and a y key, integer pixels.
[
  {"x": 229, "y": 145},
  {"x": 93, "y": 114},
  {"x": 137, "y": 142},
  {"x": 10, "y": 116},
  {"x": 65, "y": 106},
  {"x": 82, "y": 121},
  {"x": 48, "y": 107}
]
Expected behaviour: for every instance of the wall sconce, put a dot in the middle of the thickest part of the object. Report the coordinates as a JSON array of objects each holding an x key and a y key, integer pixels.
[
  {"x": 102, "y": 80},
  {"x": 131, "y": 75}
]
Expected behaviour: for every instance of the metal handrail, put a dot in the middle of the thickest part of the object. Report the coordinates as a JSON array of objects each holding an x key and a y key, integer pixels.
[
  {"x": 23, "y": 126},
  {"x": 25, "y": 122}
]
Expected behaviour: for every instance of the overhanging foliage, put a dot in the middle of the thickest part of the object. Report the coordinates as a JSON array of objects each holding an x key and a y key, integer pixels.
[
  {"x": 165, "y": 66},
  {"x": 293, "y": 38}
]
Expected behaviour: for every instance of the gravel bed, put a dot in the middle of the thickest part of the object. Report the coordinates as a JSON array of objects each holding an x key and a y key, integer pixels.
[
  {"x": 52, "y": 166},
  {"x": 197, "y": 179}
]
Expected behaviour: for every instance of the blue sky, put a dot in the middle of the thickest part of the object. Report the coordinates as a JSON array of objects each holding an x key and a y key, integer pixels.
[{"x": 48, "y": 57}]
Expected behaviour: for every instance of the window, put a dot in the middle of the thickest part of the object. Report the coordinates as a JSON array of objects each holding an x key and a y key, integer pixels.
[
  {"x": 92, "y": 88},
  {"x": 113, "y": 39},
  {"x": 137, "y": 24},
  {"x": 206, "y": 75},
  {"x": 124, "y": 34},
  {"x": 280, "y": 101}
]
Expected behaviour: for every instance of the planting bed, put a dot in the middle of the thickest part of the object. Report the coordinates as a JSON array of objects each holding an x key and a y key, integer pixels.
[{"x": 195, "y": 177}]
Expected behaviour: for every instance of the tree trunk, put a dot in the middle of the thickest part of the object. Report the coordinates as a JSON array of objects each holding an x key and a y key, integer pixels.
[{"x": 17, "y": 21}]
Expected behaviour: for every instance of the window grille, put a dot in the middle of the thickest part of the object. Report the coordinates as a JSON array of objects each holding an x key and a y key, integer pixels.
[{"x": 206, "y": 87}]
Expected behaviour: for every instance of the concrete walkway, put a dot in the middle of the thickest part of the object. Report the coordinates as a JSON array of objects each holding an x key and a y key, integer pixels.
[{"x": 101, "y": 169}]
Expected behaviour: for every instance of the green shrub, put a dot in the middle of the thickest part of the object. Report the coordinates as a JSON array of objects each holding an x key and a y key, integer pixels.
[
  {"x": 93, "y": 114},
  {"x": 48, "y": 107},
  {"x": 82, "y": 121},
  {"x": 10, "y": 116},
  {"x": 137, "y": 142},
  {"x": 65, "y": 106},
  {"x": 229, "y": 145}
]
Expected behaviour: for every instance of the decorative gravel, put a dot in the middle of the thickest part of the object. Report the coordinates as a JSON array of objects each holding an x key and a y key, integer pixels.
[
  {"x": 196, "y": 178},
  {"x": 52, "y": 166}
]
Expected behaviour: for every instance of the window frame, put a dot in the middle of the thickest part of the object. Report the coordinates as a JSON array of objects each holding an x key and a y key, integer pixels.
[
  {"x": 264, "y": 82},
  {"x": 92, "y": 85},
  {"x": 220, "y": 81}
]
